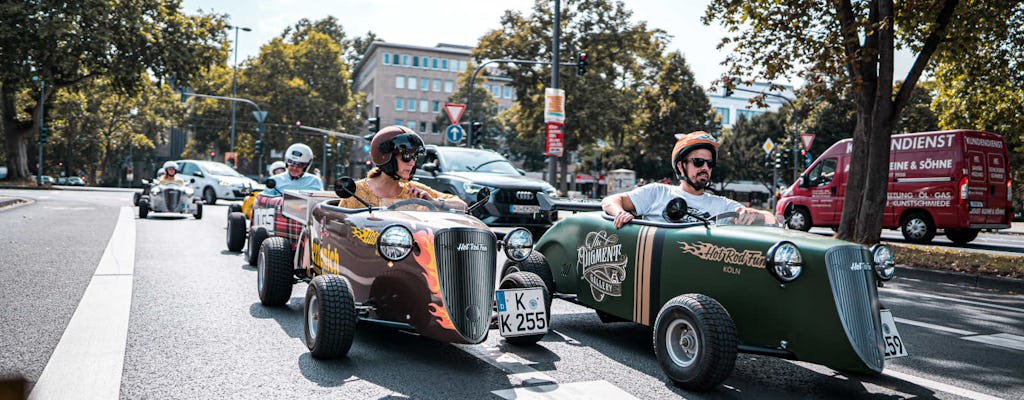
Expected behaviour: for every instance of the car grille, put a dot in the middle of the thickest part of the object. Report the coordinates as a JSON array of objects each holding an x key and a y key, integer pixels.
[
  {"x": 171, "y": 199},
  {"x": 856, "y": 297},
  {"x": 513, "y": 196},
  {"x": 465, "y": 267}
]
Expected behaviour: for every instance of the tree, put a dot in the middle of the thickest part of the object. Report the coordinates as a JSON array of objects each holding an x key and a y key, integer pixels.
[
  {"x": 740, "y": 154},
  {"x": 484, "y": 109},
  {"x": 67, "y": 43},
  {"x": 850, "y": 44}
]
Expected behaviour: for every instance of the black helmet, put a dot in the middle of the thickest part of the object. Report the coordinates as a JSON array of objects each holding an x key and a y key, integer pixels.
[{"x": 391, "y": 141}]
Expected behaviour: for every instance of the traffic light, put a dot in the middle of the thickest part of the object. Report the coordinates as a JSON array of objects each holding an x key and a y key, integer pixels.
[
  {"x": 259, "y": 146},
  {"x": 44, "y": 133},
  {"x": 183, "y": 96},
  {"x": 476, "y": 127},
  {"x": 581, "y": 64},
  {"x": 213, "y": 154},
  {"x": 778, "y": 160},
  {"x": 327, "y": 151},
  {"x": 373, "y": 124},
  {"x": 341, "y": 150}
]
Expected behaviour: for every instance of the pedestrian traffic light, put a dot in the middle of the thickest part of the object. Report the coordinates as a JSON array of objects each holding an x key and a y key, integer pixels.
[
  {"x": 581, "y": 64},
  {"x": 373, "y": 124},
  {"x": 259, "y": 146}
]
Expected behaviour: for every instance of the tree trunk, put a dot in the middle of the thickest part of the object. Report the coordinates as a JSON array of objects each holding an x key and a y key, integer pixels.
[{"x": 15, "y": 134}]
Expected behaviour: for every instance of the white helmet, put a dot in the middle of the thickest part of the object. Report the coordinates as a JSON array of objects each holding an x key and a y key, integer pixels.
[
  {"x": 170, "y": 164},
  {"x": 299, "y": 153},
  {"x": 275, "y": 166}
]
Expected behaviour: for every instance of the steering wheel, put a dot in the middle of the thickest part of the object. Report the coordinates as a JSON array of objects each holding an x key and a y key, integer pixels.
[
  {"x": 415, "y": 201},
  {"x": 727, "y": 214}
]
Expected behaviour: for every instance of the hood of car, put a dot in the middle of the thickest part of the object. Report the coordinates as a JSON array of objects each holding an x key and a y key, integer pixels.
[
  {"x": 501, "y": 181},
  {"x": 236, "y": 180}
]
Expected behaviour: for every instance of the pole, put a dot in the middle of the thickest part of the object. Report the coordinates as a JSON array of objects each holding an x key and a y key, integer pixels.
[
  {"x": 323, "y": 164},
  {"x": 42, "y": 97},
  {"x": 555, "y": 33},
  {"x": 234, "y": 88}
]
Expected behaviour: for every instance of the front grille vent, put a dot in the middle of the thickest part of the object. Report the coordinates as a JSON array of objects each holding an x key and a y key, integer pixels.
[
  {"x": 466, "y": 270},
  {"x": 856, "y": 297}
]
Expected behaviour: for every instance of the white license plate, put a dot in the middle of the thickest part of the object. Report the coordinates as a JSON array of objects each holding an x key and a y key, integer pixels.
[
  {"x": 894, "y": 346},
  {"x": 525, "y": 209},
  {"x": 521, "y": 312},
  {"x": 263, "y": 217}
]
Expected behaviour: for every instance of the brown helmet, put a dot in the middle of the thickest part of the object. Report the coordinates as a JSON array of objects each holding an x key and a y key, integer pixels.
[
  {"x": 392, "y": 140},
  {"x": 693, "y": 141}
]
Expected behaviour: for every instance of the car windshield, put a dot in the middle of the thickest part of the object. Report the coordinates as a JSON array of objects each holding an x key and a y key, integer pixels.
[
  {"x": 469, "y": 160},
  {"x": 396, "y": 204},
  {"x": 220, "y": 169},
  {"x": 731, "y": 218}
]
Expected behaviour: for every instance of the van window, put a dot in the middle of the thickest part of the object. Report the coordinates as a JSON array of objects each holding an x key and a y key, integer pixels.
[{"x": 823, "y": 173}]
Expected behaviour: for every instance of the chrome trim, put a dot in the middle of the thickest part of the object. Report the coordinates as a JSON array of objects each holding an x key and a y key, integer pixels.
[
  {"x": 467, "y": 279},
  {"x": 856, "y": 296}
]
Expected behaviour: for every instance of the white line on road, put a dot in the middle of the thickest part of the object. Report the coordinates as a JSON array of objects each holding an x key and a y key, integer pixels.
[
  {"x": 935, "y": 327},
  {"x": 1000, "y": 339},
  {"x": 942, "y": 387},
  {"x": 971, "y": 302},
  {"x": 89, "y": 358}
]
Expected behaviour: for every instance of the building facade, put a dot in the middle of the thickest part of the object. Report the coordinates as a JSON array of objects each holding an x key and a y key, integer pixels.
[
  {"x": 411, "y": 84},
  {"x": 738, "y": 104}
]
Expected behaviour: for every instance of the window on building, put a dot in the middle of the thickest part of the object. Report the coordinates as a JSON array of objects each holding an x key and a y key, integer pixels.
[
  {"x": 462, "y": 66},
  {"x": 411, "y": 103},
  {"x": 423, "y": 126},
  {"x": 424, "y": 84},
  {"x": 496, "y": 91},
  {"x": 411, "y": 124},
  {"x": 399, "y": 82},
  {"x": 399, "y": 122},
  {"x": 387, "y": 58},
  {"x": 444, "y": 64},
  {"x": 449, "y": 86},
  {"x": 415, "y": 61},
  {"x": 411, "y": 83},
  {"x": 424, "y": 106},
  {"x": 748, "y": 114},
  {"x": 455, "y": 64},
  {"x": 433, "y": 127},
  {"x": 425, "y": 62},
  {"x": 507, "y": 92},
  {"x": 437, "y": 85},
  {"x": 433, "y": 63},
  {"x": 405, "y": 60},
  {"x": 436, "y": 106},
  {"x": 724, "y": 112},
  {"x": 399, "y": 104}
]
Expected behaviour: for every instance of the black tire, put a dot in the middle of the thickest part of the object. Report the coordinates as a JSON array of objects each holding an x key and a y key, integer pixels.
[
  {"x": 274, "y": 278},
  {"x": 209, "y": 196},
  {"x": 329, "y": 317},
  {"x": 535, "y": 263},
  {"x": 199, "y": 211},
  {"x": 235, "y": 208},
  {"x": 143, "y": 209},
  {"x": 695, "y": 342},
  {"x": 521, "y": 280},
  {"x": 135, "y": 198},
  {"x": 962, "y": 236},
  {"x": 918, "y": 227},
  {"x": 236, "y": 231},
  {"x": 800, "y": 219},
  {"x": 252, "y": 250}
]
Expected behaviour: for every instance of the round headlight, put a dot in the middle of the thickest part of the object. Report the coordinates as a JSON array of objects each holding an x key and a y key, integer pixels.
[
  {"x": 884, "y": 262},
  {"x": 394, "y": 243},
  {"x": 224, "y": 183},
  {"x": 189, "y": 191},
  {"x": 155, "y": 190},
  {"x": 518, "y": 244},
  {"x": 785, "y": 262}
]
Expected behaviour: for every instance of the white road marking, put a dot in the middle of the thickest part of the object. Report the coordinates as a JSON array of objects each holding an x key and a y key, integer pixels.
[
  {"x": 575, "y": 390},
  {"x": 88, "y": 361},
  {"x": 971, "y": 302},
  {"x": 942, "y": 387},
  {"x": 518, "y": 368},
  {"x": 960, "y": 332},
  {"x": 1000, "y": 339}
]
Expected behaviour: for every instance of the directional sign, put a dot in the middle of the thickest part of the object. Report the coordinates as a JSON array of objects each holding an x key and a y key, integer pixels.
[
  {"x": 260, "y": 115},
  {"x": 768, "y": 146},
  {"x": 807, "y": 139},
  {"x": 454, "y": 112},
  {"x": 366, "y": 148},
  {"x": 455, "y": 133}
]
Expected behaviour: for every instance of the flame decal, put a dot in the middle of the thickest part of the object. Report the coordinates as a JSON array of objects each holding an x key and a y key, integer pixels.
[{"x": 425, "y": 241}]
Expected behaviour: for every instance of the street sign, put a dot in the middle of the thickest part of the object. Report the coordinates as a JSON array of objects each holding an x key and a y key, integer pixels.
[
  {"x": 454, "y": 112},
  {"x": 366, "y": 148},
  {"x": 807, "y": 139},
  {"x": 553, "y": 143},
  {"x": 554, "y": 105},
  {"x": 260, "y": 116},
  {"x": 455, "y": 133},
  {"x": 768, "y": 146}
]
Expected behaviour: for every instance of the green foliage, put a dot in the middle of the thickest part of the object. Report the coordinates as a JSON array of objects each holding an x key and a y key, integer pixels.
[{"x": 740, "y": 155}]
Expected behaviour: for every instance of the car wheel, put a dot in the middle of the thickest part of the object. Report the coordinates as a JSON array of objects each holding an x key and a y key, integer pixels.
[
  {"x": 962, "y": 236},
  {"x": 274, "y": 272},
  {"x": 252, "y": 250},
  {"x": 199, "y": 211},
  {"x": 235, "y": 208},
  {"x": 800, "y": 219},
  {"x": 695, "y": 342},
  {"x": 330, "y": 317},
  {"x": 236, "y": 231},
  {"x": 535, "y": 263},
  {"x": 143, "y": 209},
  {"x": 918, "y": 227},
  {"x": 209, "y": 196},
  {"x": 135, "y": 198},
  {"x": 522, "y": 280}
]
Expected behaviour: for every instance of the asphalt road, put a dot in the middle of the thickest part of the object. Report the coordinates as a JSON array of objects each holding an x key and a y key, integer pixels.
[{"x": 179, "y": 318}]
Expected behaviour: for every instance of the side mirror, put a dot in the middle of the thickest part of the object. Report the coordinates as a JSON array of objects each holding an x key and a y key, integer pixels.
[
  {"x": 432, "y": 168},
  {"x": 345, "y": 187},
  {"x": 804, "y": 181},
  {"x": 676, "y": 210},
  {"x": 145, "y": 181},
  {"x": 521, "y": 172},
  {"x": 270, "y": 183},
  {"x": 482, "y": 197}
]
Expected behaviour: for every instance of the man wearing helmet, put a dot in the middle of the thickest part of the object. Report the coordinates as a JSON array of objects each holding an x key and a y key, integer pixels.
[
  {"x": 276, "y": 168},
  {"x": 693, "y": 157},
  {"x": 170, "y": 174},
  {"x": 296, "y": 159},
  {"x": 394, "y": 150}
]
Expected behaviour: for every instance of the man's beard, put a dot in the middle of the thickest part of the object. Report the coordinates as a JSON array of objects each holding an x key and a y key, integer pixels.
[{"x": 698, "y": 184}]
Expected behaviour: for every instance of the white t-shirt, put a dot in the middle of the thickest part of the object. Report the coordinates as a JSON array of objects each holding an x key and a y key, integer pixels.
[{"x": 650, "y": 201}]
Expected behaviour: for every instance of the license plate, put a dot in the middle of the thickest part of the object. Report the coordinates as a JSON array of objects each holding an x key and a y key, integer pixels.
[
  {"x": 263, "y": 217},
  {"x": 525, "y": 209},
  {"x": 894, "y": 347},
  {"x": 521, "y": 312}
]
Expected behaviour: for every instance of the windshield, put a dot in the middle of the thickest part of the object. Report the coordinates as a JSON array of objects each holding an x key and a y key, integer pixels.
[
  {"x": 219, "y": 169},
  {"x": 732, "y": 218},
  {"x": 469, "y": 160},
  {"x": 396, "y": 204}
]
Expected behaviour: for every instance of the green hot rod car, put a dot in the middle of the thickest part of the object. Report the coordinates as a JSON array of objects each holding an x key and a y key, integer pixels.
[{"x": 711, "y": 289}]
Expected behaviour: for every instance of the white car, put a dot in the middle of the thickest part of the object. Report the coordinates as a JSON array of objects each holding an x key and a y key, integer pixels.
[{"x": 214, "y": 180}]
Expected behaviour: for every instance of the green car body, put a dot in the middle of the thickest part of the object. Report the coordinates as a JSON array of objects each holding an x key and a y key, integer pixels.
[{"x": 828, "y": 315}]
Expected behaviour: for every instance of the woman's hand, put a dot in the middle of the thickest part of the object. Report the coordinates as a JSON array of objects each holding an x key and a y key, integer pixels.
[{"x": 420, "y": 194}]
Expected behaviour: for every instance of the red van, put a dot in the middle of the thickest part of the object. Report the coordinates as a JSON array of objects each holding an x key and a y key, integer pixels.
[{"x": 957, "y": 181}]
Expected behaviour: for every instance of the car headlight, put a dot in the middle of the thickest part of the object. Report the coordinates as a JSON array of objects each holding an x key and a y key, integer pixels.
[
  {"x": 155, "y": 190},
  {"x": 471, "y": 188},
  {"x": 518, "y": 244},
  {"x": 784, "y": 262},
  {"x": 394, "y": 243},
  {"x": 224, "y": 183},
  {"x": 189, "y": 191},
  {"x": 884, "y": 262},
  {"x": 551, "y": 192}
]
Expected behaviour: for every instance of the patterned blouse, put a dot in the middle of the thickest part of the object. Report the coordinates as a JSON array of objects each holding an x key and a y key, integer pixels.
[{"x": 363, "y": 191}]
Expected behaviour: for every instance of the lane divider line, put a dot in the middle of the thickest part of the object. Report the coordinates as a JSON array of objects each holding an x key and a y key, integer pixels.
[
  {"x": 971, "y": 302},
  {"x": 960, "y": 332},
  {"x": 942, "y": 387},
  {"x": 89, "y": 359}
]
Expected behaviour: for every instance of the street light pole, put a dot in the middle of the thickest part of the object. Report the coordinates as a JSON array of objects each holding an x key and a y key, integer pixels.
[
  {"x": 234, "y": 86},
  {"x": 555, "y": 33},
  {"x": 39, "y": 143}
]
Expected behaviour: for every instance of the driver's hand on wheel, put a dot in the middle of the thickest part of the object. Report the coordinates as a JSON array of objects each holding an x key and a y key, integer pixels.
[
  {"x": 750, "y": 216},
  {"x": 623, "y": 218},
  {"x": 420, "y": 194}
]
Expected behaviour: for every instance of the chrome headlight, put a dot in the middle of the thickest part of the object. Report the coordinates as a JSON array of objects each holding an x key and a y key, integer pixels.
[
  {"x": 224, "y": 183},
  {"x": 189, "y": 191},
  {"x": 518, "y": 244},
  {"x": 471, "y": 188},
  {"x": 394, "y": 243},
  {"x": 155, "y": 190},
  {"x": 784, "y": 262},
  {"x": 884, "y": 262}
]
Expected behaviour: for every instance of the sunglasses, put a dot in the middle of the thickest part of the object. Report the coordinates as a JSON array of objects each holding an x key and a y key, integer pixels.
[
  {"x": 296, "y": 164},
  {"x": 699, "y": 162},
  {"x": 408, "y": 156}
]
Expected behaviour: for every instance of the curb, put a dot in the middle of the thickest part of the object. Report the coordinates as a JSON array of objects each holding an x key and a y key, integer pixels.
[
  {"x": 961, "y": 278},
  {"x": 11, "y": 202}
]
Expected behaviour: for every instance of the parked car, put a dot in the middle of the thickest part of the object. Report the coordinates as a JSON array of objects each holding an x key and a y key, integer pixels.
[
  {"x": 214, "y": 180},
  {"x": 408, "y": 264},
  {"x": 464, "y": 172},
  {"x": 711, "y": 289},
  {"x": 76, "y": 181},
  {"x": 62, "y": 180},
  {"x": 169, "y": 197}
]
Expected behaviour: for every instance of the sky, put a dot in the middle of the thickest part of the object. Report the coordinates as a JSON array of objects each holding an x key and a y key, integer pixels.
[{"x": 427, "y": 23}]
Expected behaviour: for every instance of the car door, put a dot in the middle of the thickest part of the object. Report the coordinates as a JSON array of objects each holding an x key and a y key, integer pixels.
[{"x": 825, "y": 200}]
